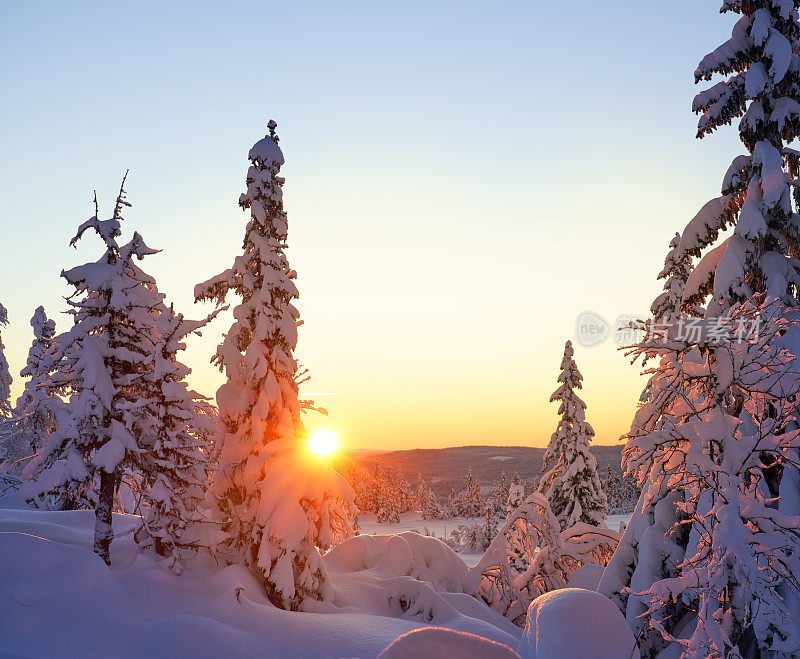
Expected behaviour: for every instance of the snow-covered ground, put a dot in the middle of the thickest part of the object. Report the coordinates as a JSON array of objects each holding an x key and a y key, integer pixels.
[{"x": 57, "y": 598}]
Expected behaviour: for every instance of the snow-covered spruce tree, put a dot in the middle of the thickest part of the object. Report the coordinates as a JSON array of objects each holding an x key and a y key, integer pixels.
[
  {"x": 471, "y": 500},
  {"x": 426, "y": 502},
  {"x": 277, "y": 503},
  {"x": 9, "y": 447},
  {"x": 450, "y": 508},
  {"x": 757, "y": 192},
  {"x": 571, "y": 483},
  {"x": 34, "y": 416},
  {"x": 388, "y": 511},
  {"x": 104, "y": 358},
  {"x": 430, "y": 506},
  {"x": 5, "y": 375},
  {"x": 419, "y": 493},
  {"x": 177, "y": 449},
  {"x": 611, "y": 484},
  {"x": 489, "y": 528},
  {"x": 404, "y": 495},
  {"x": 759, "y": 257},
  {"x": 500, "y": 496}
]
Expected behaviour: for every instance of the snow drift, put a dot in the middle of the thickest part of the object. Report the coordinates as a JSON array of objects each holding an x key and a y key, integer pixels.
[{"x": 57, "y": 598}]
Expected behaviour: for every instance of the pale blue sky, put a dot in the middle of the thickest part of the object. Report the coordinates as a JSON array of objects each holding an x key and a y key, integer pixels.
[{"x": 462, "y": 180}]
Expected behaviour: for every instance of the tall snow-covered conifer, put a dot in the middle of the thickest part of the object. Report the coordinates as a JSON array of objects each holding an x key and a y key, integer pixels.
[
  {"x": 276, "y": 502},
  {"x": 571, "y": 483},
  {"x": 103, "y": 358},
  {"x": 710, "y": 555}
]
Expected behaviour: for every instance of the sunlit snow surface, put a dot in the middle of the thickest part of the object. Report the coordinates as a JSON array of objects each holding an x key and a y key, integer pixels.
[{"x": 57, "y": 598}]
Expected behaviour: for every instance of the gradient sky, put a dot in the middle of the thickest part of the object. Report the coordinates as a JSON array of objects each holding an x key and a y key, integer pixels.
[{"x": 463, "y": 180}]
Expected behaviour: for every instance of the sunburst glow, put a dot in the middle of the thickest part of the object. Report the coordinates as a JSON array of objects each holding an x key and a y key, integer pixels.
[{"x": 323, "y": 442}]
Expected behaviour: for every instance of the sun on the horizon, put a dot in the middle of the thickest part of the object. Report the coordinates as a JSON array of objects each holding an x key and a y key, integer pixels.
[{"x": 323, "y": 442}]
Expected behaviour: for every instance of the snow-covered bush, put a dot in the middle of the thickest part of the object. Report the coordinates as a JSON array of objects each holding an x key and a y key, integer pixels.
[
  {"x": 531, "y": 556},
  {"x": 277, "y": 503},
  {"x": 570, "y": 481},
  {"x": 405, "y": 554}
]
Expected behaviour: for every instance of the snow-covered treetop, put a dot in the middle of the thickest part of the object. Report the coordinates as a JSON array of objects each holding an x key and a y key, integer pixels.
[
  {"x": 265, "y": 235},
  {"x": 569, "y": 377},
  {"x": 763, "y": 88},
  {"x": 266, "y": 151},
  {"x": 44, "y": 329},
  {"x": 108, "y": 230},
  {"x": 571, "y": 409}
]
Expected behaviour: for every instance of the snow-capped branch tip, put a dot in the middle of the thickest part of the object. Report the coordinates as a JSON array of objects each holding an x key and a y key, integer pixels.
[
  {"x": 272, "y": 125},
  {"x": 138, "y": 248},
  {"x": 121, "y": 198}
]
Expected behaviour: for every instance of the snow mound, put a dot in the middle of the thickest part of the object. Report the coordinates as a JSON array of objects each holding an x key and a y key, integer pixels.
[
  {"x": 573, "y": 623},
  {"x": 438, "y": 643},
  {"x": 587, "y": 577},
  {"x": 405, "y": 554}
]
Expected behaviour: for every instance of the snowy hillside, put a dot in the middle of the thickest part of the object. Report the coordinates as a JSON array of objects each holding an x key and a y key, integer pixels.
[{"x": 57, "y": 598}]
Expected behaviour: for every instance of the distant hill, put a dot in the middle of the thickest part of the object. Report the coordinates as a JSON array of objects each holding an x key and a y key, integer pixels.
[{"x": 446, "y": 468}]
